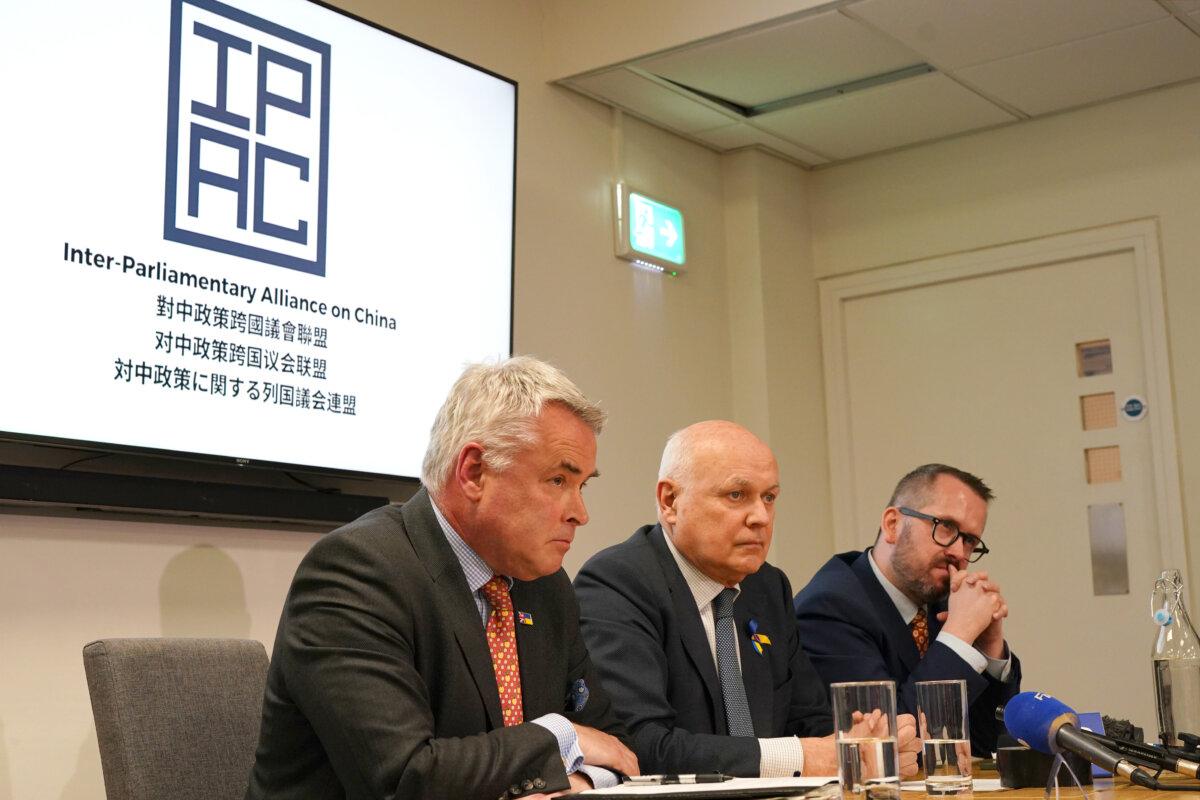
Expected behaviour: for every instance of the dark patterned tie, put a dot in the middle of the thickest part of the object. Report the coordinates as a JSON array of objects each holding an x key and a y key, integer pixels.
[
  {"x": 502, "y": 642},
  {"x": 737, "y": 709},
  {"x": 920, "y": 631}
]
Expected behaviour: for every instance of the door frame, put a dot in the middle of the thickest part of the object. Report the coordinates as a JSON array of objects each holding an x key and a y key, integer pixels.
[{"x": 1140, "y": 238}]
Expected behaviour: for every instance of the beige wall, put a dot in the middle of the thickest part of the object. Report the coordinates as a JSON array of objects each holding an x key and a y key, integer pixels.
[{"x": 1132, "y": 159}]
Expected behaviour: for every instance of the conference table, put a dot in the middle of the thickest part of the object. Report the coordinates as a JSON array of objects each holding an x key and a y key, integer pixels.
[
  {"x": 1102, "y": 789},
  {"x": 1106, "y": 789}
]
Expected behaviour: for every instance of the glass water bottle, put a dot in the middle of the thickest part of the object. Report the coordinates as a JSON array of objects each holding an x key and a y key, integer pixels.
[{"x": 1176, "y": 657}]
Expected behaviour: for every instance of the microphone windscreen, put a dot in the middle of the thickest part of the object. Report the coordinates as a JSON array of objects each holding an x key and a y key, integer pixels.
[{"x": 1034, "y": 718}]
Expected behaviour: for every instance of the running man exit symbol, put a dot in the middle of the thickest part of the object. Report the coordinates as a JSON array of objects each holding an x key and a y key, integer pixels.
[{"x": 655, "y": 229}]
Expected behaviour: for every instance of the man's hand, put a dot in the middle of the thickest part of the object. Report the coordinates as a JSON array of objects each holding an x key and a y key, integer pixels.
[
  {"x": 820, "y": 756},
  {"x": 601, "y": 750},
  {"x": 976, "y": 605},
  {"x": 991, "y": 641},
  {"x": 908, "y": 743}
]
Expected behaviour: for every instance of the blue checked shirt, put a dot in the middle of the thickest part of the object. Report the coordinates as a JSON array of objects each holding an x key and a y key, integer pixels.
[{"x": 477, "y": 573}]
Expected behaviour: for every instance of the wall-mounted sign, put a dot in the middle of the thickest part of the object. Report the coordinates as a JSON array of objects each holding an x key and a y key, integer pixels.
[
  {"x": 649, "y": 232},
  {"x": 1134, "y": 408}
]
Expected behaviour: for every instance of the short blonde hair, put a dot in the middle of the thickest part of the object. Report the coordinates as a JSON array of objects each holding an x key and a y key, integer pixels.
[{"x": 496, "y": 405}]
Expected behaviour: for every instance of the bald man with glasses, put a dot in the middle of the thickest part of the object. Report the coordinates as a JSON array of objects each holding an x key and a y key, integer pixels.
[{"x": 909, "y": 609}]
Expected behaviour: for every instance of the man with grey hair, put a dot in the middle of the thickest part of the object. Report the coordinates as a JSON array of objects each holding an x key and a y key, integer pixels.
[
  {"x": 432, "y": 649},
  {"x": 692, "y": 630},
  {"x": 908, "y": 610}
]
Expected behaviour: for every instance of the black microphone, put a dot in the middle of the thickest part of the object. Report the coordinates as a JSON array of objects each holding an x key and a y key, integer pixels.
[
  {"x": 1147, "y": 755},
  {"x": 1050, "y": 726}
]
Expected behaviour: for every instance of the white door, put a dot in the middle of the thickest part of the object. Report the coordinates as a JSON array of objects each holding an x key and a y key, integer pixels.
[{"x": 972, "y": 362}]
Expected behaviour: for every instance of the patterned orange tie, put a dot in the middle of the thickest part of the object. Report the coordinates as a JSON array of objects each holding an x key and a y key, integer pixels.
[
  {"x": 502, "y": 642},
  {"x": 920, "y": 631}
]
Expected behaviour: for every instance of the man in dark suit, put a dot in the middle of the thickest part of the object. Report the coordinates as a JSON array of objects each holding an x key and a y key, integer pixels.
[
  {"x": 692, "y": 630},
  {"x": 908, "y": 609},
  {"x": 432, "y": 650}
]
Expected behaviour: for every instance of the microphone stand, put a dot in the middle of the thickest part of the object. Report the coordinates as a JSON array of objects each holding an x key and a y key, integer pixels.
[{"x": 1057, "y": 766}]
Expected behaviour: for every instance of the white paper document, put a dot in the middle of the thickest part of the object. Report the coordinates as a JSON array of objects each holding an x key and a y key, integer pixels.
[{"x": 733, "y": 786}]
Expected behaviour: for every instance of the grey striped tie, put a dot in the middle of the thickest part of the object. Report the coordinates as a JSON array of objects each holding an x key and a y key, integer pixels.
[{"x": 737, "y": 709}]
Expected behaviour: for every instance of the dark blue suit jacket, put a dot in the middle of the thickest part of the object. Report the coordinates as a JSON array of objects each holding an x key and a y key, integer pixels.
[
  {"x": 641, "y": 626},
  {"x": 853, "y": 632}
]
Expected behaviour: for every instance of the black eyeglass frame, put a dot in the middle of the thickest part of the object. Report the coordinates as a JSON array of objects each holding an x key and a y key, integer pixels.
[{"x": 977, "y": 550}]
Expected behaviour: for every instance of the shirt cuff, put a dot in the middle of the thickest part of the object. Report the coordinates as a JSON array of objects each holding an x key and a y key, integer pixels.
[
  {"x": 780, "y": 757},
  {"x": 601, "y": 778},
  {"x": 1000, "y": 668},
  {"x": 568, "y": 740},
  {"x": 966, "y": 652}
]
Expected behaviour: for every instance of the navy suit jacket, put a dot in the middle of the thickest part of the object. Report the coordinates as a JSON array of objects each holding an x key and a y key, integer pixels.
[
  {"x": 381, "y": 683},
  {"x": 853, "y": 632},
  {"x": 641, "y": 625}
]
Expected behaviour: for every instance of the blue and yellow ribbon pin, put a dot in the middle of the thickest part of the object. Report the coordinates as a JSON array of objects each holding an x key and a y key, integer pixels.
[
  {"x": 524, "y": 617},
  {"x": 757, "y": 639}
]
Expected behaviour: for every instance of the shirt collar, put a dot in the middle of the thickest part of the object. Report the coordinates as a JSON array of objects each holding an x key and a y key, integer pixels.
[
  {"x": 907, "y": 608},
  {"x": 704, "y": 589},
  {"x": 474, "y": 568}
]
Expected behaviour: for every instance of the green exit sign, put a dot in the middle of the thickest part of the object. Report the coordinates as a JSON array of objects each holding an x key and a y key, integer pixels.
[{"x": 649, "y": 232}]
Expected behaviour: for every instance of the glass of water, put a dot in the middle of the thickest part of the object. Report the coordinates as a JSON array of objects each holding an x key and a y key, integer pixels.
[
  {"x": 942, "y": 722},
  {"x": 864, "y": 725}
]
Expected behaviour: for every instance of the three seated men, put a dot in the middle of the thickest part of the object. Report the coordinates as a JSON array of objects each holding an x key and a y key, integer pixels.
[{"x": 433, "y": 649}]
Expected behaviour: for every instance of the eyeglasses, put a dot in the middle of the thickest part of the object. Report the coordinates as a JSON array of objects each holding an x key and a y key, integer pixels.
[{"x": 973, "y": 546}]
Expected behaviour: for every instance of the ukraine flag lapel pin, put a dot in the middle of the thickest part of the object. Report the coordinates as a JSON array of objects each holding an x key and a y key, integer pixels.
[
  {"x": 757, "y": 639},
  {"x": 524, "y": 617}
]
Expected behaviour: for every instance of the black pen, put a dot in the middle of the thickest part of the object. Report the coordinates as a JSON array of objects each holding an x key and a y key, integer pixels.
[{"x": 653, "y": 780}]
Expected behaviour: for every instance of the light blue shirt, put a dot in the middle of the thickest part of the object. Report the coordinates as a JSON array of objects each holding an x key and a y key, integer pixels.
[{"x": 477, "y": 573}]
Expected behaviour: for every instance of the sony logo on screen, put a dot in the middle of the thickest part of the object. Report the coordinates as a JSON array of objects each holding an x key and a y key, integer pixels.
[{"x": 247, "y": 136}]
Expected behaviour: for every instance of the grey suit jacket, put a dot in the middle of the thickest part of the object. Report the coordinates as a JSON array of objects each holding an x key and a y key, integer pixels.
[
  {"x": 381, "y": 683},
  {"x": 640, "y": 620}
]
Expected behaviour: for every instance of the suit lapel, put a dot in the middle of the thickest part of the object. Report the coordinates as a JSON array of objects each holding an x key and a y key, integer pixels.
[
  {"x": 898, "y": 634},
  {"x": 756, "y": 667},
  {"x": 455, "y": 597},
  {"x": 533, "y": 653},
  {"x": 691, "y": 632}
]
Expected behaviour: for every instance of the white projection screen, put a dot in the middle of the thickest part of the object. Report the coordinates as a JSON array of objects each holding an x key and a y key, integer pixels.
[{"x": 257, "y": 231}]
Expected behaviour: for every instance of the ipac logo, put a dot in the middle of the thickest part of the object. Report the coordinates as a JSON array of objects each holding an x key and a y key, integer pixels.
[{"x": 247, "y": 137}]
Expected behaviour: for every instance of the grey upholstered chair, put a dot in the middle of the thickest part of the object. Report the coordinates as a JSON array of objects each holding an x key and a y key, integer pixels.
[{"x": 176, "y": 719}]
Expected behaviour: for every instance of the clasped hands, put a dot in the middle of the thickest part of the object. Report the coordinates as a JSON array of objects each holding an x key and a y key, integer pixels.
[
  {"x": 976, "y": 611},
  {"x": 820, "y": 754}
]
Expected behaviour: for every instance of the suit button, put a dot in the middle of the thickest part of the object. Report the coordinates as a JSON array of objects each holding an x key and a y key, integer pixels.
[
  {"x": 527, "y": 785},
  {"x": 514, "y": 790},
  {"x": 539, "y": 784}
]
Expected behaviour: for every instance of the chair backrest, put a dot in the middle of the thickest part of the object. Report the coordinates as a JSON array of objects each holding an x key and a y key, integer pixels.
[{"x": 176, "y": 719}]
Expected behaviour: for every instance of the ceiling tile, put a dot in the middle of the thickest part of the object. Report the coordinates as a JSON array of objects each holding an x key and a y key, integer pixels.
[
  {"x": 896, "y": 114},
  {"x": 1092, "y": 69},
  {"x": 798, "y": 57},
  {"x": 648, "y": 99},
  {"x": 733, "y": 137},
  {"x": 956, "y": 33}
]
